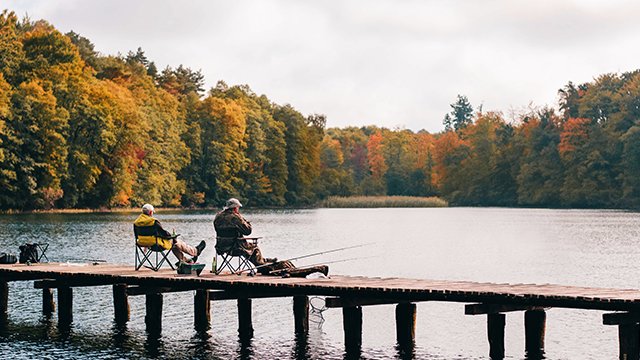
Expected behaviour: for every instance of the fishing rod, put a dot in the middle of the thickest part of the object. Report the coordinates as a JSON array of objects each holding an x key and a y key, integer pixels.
[
  {"x": 307, "y": 256},
  {"x": 85, "y": 260},
  {"x": 276, "y": 272}
]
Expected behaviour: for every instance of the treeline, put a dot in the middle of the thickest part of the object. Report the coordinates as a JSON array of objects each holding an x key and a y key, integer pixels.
[
  {"x": 78, "y": 129},
  {"x": 588, "y": 156},
  {"x": 81, "y": 129}
]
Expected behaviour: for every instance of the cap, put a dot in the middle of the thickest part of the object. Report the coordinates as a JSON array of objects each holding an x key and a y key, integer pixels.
[
  {"x": 232, "y": 203},
  {"x": 147, "y": 209}
]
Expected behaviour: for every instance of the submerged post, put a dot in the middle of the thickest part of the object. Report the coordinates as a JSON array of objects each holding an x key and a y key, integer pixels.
[
  {"x": 495, "y": 332},
  {"x": 4, "y": 300},
  {"x": 534, "y": 328},
  {"x": 120, "y": 303},
  {"x": 628, "y": 337},
  {"x": 153, "y": 318},
  {"x": 201, "y": 310},
  {"x": 352, "y": 324},
  {"x": 301, "y": 314},
  {"x": 406, "y": 324},
  {"x": 48, "y": 305},
  {"x": 245, "y": 325},
  {"x": 65, "y": 305}
]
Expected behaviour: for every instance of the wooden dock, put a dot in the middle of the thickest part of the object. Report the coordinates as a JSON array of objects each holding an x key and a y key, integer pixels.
[{"x": 347, "y": 292}]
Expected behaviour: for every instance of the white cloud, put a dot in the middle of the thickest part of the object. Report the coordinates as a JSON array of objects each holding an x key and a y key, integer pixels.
[{"x": 383, "y": 62}]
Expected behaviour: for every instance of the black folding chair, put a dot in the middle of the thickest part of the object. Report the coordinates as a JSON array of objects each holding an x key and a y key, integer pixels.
[
  {"x": 236, "y": 260},
  {"x": 154, "y": 256}
]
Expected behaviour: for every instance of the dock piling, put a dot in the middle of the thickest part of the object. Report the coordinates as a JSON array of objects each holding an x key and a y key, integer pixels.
[
  {"x": 245, "y": 325},
  {"x": 534, "y": 329},
  {"x": 201, "y": 310},
  {"x": 629, "y": 346},
  {"x": 301, "y": 314},
  {"x": 48, "y": 304},
  {"x": 406, "y": 324},
  {"x": 4, "y": 300},
  {"x": 65, "y": 305},
  {"x": 120, "y": 303},
  {"x": 495, "y": 331},
  {"x": 352, "y": 324},
  {"x": 153, "y": 318}
]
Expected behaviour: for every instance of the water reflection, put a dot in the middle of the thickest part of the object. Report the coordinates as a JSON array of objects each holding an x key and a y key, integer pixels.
[
  {"x": 406, "y": 351},
  {"x": 154, "y": 345},
  {"x": 246, "y": 349},
  {"x": 301, "y": 348},
  {"x": 584, "y": 248}
]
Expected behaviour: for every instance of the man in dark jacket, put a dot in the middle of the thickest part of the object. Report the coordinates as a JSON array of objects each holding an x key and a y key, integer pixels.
[{"x": 231, "y": 228}]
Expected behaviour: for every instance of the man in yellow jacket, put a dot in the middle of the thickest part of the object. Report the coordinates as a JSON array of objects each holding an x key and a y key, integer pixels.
[{"x": 147, "y": 228}]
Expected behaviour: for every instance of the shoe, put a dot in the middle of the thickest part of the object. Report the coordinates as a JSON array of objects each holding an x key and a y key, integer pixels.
[
  {"x": 200, "y": 247},
  {"x": 271, "y": 260}
]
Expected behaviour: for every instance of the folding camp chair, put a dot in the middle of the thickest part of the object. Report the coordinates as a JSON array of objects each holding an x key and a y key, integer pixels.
[
  {"x": 236, "y": 259},
  {"x": 151, "y": 257}
]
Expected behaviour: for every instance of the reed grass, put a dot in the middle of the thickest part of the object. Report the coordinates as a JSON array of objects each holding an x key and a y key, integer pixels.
[{"x": 382, "y": 201}]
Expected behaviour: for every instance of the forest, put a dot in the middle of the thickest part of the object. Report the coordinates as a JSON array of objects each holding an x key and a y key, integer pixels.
[{"x": 79, "y": 129}]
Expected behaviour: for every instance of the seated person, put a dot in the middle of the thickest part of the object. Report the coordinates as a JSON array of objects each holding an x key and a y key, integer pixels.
[
  {"x": 165, "y": 239},
  {"x": 230, "y": 228}
]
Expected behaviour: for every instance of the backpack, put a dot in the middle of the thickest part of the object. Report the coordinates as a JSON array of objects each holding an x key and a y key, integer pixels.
[
  {"x": 28, "y": 253},
  {"x": 8, "y": 258}
]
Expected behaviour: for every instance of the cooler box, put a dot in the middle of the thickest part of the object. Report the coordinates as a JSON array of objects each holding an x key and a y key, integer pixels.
[{"x": 190, "y": 269}]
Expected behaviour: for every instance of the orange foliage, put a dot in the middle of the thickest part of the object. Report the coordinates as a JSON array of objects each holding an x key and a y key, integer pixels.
[
  {"x": 442, "y": 148},
  {"x": 423, "y": 145},
  {"x": 575, "y": 133},
  {"x": 376, "y": 156}
]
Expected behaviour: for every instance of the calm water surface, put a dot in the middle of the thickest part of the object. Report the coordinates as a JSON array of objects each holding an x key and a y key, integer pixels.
[{"x": 570, "y": 247}]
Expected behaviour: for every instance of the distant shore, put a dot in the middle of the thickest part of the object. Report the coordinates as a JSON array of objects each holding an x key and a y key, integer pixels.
[
  {"x": 383, "y": 202},
  {"x": 330, "y": 202}
]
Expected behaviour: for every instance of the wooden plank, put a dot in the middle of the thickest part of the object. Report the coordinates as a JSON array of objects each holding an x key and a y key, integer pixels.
[
  {"x": 215, "y": 295},
  {"x": 621, "y": 318},
  {"x": 339, "y": 302},
  {"x": 483, "y": 309},
  {"x": 144, "y": 290},
  {"x": 387, "y": 290},
  {"x": 54, "y": 284}
]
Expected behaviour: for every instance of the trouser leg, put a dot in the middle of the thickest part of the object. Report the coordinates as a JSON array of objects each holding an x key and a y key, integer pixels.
[
  {"x": 256, "y": 258},
  {"x": 180, "y": 248}
]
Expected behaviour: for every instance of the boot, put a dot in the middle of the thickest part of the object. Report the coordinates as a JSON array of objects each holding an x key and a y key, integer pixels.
[{"x": 199, "y": 249}]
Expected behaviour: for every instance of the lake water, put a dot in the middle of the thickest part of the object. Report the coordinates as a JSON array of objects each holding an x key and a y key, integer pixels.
[{"x": 569, "y": 247}]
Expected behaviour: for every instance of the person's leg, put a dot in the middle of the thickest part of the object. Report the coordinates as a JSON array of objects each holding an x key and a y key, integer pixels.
[
  {"x": 180, "y": 248},
  {"x": 256, "y": 258}
]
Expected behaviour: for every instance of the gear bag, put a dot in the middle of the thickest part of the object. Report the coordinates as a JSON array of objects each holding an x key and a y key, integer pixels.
[
  {"x": 28, "y": 253},
  {"x": 8, "y": 258}
]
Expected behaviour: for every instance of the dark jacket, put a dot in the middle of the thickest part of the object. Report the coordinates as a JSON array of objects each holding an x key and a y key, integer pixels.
[{"x": 230, "y": 226}]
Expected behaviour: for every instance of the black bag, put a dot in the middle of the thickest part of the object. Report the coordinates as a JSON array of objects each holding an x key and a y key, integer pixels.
[
  {"x": 8, "y": 258},
  {"x": 28, "y": 253}
]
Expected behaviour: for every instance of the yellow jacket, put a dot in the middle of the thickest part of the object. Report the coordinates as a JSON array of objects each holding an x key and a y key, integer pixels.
[{"x": 149, "y": 232}]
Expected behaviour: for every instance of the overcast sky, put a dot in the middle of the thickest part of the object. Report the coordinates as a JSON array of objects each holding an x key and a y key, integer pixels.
[{"x": 393, "y": 63}]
